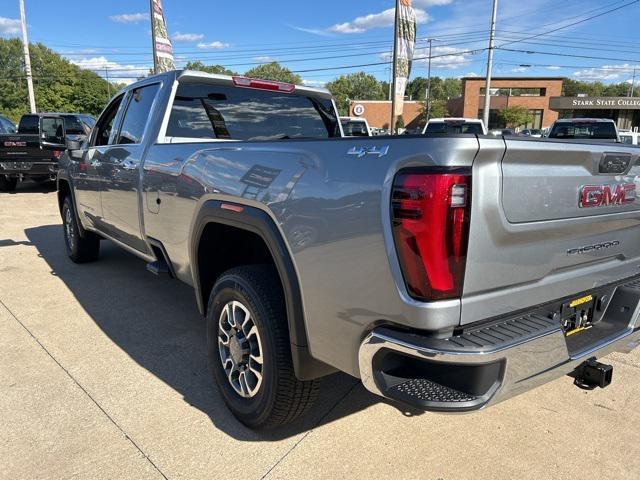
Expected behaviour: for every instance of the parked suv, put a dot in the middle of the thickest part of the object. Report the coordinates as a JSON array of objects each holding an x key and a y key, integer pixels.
[{"x": 7, "y": 126}]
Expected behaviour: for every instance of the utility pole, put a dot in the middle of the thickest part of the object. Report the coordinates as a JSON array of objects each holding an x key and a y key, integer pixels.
[
  {"x": 106, "y": 74},
  {"x": 428, "y": 95},
  {"x": 27, "y": 58},
  {"x": 487, "y": 88},
  {"x": 153, "y": 37},
  {"x": 395, "y": 68},
  {"x": 633, "y": 83}
]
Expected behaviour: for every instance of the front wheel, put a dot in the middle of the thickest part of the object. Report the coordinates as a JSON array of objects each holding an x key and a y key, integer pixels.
[
  {"x": 80, "y": 249},
  {"x": 250, "y": 352}
]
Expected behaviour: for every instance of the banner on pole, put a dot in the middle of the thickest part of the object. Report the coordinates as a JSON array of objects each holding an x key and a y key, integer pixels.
[
  {"x": 163, "y": 49},
  {"x": 406, "y": 45}
]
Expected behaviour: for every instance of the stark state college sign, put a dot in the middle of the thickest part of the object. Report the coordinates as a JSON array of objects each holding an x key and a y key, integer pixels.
[{"x": 594, "y": 103}]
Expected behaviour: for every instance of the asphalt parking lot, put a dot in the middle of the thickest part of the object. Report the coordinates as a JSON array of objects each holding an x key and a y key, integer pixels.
[{"x": 103, "y": 375}]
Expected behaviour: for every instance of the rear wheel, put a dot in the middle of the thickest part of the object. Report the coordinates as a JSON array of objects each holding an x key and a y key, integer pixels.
[
  {"x": 80, "y": 249},
  {"x": 249, "y": 349},
  {"x": 8, "y": 184}
]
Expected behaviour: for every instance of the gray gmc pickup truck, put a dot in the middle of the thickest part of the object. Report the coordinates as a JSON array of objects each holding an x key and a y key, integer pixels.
[{"x": 448, "y": 273}]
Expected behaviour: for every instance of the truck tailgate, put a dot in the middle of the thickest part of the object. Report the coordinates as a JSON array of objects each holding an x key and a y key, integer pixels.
[
  {"x": 22, "y": 147},
  {"x": 549, "y": 220}
]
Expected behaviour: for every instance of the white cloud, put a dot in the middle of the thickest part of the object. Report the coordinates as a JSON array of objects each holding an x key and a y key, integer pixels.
[
  {"x": 117, "y": 72},
  {"x": 606, "y": 72},
  {"x": 265, "y": 59},
  {"x": 382, "y": 19},
  {"x": 130, "y": 18},
  {"x": 444, "y": 58},
  {"x": 374, "y": 20},
  {"x": 9, "y": 26},
  {"x": 313, "y": 31},
  {"x": 519, "y": 69},
  {"x": 553, "y": 67},
  {"x": 186, "y": 37},
  {"x": 213, "y": 45}
]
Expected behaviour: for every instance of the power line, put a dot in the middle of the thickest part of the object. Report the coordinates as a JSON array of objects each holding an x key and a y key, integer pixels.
[{"x": 573, "y": 23}]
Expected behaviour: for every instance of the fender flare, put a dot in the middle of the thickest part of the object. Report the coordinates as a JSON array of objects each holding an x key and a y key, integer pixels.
[{"x": 259, "y": 222}]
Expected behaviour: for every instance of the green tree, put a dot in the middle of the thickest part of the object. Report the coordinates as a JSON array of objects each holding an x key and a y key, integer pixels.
[
  {"x": 441, "y": 89},
  {"x": 438, "y": 110},
  {"x": 201, "y": 67},
  {"x": 59, "y": 85},
  {"x": 355, "y": 86},
  {"x": 516, "y": 116},
  {"x": 274, "y": 71}
]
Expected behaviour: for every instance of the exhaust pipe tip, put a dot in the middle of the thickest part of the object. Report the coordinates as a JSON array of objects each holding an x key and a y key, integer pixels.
[{"x": 592, "y": 374}]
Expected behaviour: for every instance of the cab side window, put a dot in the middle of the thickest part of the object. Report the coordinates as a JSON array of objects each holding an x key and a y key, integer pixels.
[
  {"x": 104, "y": 126},
  {"x": 138, "y": 111},
  {"x": 52, "y": 130}
]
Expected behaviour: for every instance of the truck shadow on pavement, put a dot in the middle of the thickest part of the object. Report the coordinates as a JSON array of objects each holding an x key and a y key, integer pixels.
[
  {"x": 156, "y": 322},
  {"x": 30, "y": 186}
]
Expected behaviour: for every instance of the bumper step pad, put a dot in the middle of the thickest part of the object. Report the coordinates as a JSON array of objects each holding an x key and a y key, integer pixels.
[{"x": 427, "y": 391}]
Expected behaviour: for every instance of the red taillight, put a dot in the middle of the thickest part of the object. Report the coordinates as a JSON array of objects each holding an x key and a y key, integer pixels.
[
  {"x": 431, "y": 229},
  {"x": 246, "y": 82}
]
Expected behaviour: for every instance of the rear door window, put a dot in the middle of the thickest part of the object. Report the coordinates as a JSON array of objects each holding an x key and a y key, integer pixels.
[
  {"x": 202, "y": 111},
  {"x": 53, "y": 129},
  {"x": 138, "y": 112}
]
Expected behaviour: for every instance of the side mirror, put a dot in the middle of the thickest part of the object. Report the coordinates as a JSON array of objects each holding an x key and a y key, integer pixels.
[
  {"x": 73, "y": 145},
  {"x": 52, "y": 146},
  {"x": 74, "y": 149}
]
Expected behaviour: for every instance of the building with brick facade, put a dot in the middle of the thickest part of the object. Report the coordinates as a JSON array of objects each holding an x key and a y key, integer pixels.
[
  {"x": 540, "y": 95},
  {"x": 378, "y": 113},
  {"x": 532, "y": 93}
]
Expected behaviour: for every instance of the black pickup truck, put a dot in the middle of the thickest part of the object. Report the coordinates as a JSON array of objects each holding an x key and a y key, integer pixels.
[{"x": 33, "y": 151}]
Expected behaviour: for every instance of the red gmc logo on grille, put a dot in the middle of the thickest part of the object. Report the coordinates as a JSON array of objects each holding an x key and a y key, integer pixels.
[
  {"x": 15, "y": 144},
  {"x": 607, "y": 195}
]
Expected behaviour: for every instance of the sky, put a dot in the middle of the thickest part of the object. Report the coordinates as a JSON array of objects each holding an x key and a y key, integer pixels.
[{"x": 322, "y": 40}]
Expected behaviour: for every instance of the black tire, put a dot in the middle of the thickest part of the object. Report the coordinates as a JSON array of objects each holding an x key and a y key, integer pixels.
[
  {"x": 80, "y": 249},
  {"x": 281, "y": 397},
  {"x": 8, "y": 184}
]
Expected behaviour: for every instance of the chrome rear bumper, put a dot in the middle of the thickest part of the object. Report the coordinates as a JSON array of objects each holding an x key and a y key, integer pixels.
[{"x": 504, "y": 367}]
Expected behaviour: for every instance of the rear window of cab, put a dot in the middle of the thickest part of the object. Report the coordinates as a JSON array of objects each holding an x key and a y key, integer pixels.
[{"x": 209, "y": 111}]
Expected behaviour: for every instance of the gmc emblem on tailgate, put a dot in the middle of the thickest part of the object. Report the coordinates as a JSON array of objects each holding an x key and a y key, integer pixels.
[
  {"x": 607, "y": 195},
  {"x": 15, "y": 144}
]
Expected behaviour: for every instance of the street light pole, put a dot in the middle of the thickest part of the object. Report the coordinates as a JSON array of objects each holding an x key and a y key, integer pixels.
[
  {"x": 633, "y": 83},
  {"x": 487, "y": 88},
  {"x": 106, "y": 74},
  {"x": 428, "y": 94},
  {"x": 27, "y": 58}
]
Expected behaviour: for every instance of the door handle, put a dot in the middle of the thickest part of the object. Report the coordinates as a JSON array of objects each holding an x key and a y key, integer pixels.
[{"x": 128, "y": 165}]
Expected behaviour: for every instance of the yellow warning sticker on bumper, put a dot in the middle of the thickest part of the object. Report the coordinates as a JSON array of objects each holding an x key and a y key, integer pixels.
[{"x": 581, "y": 301}]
